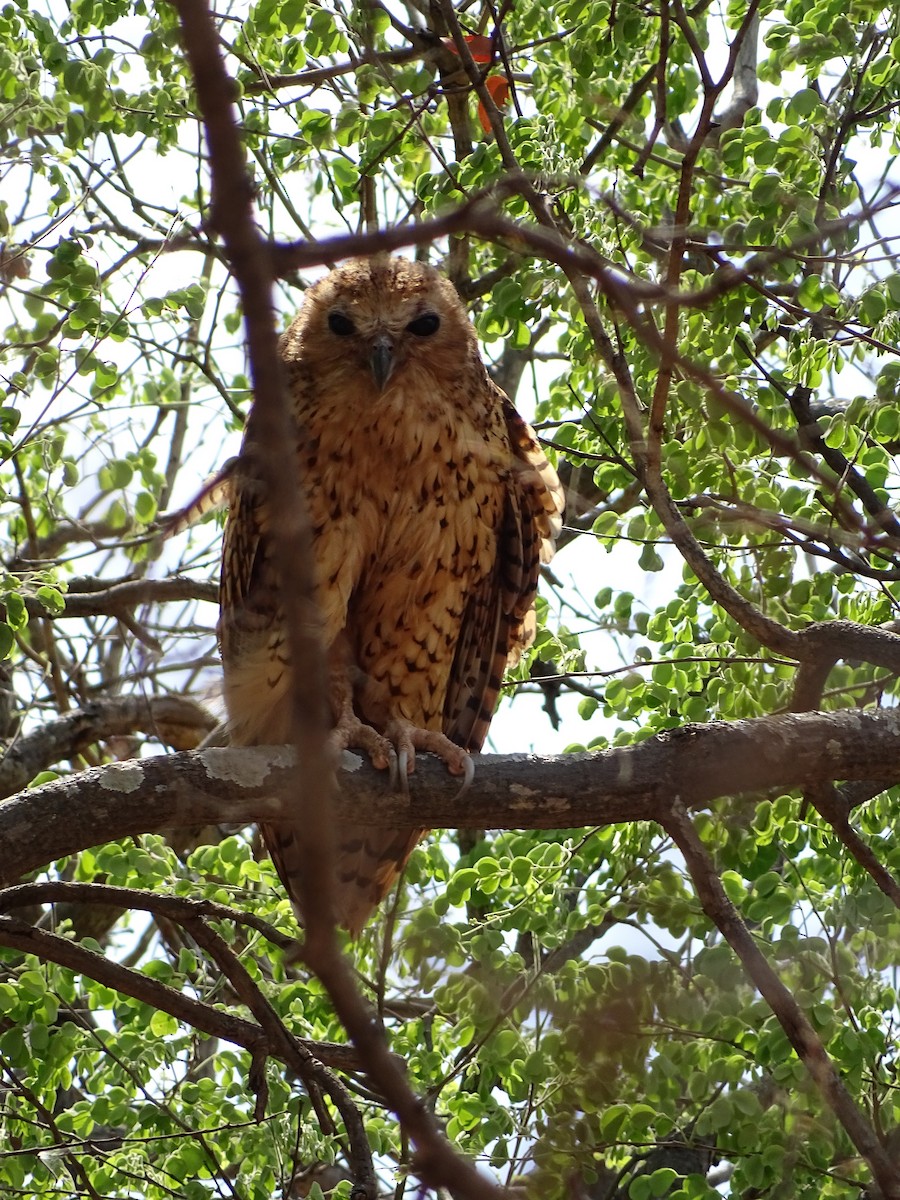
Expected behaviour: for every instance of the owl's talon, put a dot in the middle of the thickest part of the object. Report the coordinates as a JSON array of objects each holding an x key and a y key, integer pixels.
[
  {"x": 468, "y": 777},
  {"x": 409, "y": 738},
  {"x": 403, "y": 772},
  {"x": 393, "y": 773}
]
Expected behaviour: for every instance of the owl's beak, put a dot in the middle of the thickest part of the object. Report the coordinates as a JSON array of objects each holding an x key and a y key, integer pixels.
[{"x": 382, "y": 359}]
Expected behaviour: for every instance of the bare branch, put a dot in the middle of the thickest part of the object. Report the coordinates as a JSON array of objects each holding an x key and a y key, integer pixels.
[
  {"x": 745, "y": 82},
  {"x": 122, "y": 597},
  {"x": 694, "y": 764},
  {"x": 175, "y": 720}
]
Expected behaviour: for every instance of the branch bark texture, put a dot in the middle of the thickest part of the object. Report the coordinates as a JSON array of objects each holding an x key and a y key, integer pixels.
[
  {"x": 693, "y": 765},
  {"x": 176, "y": 720}
]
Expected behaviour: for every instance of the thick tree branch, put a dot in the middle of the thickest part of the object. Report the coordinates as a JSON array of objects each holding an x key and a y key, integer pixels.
[
  {"x": 175, "y": 720},
  {"x": 693, "y": 765}
]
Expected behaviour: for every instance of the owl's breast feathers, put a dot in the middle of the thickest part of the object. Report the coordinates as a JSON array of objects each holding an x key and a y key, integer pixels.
[{"x": 431, "y": 513}]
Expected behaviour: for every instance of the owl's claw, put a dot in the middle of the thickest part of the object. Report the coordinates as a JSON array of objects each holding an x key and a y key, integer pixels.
[
  {"x": 402, "y": 772},
  {"x": 395, "y": 749},
  {"x": 408, "y": 738},
  {"x": 393, "y": 773},
  {"x": 352, "y": 734},
  {"x": 469, "y": 777}
]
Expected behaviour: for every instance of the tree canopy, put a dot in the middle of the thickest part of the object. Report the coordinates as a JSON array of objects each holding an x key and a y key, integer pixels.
[{"x": 665, "y": 966}]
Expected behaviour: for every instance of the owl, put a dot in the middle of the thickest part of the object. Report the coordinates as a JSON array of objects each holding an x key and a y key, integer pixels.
[{"x": 432, "y": 507}]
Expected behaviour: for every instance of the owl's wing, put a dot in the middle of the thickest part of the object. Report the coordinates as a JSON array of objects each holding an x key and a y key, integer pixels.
[
  {"x": 246, "y": 597},
  {"x": 498, "y": 622},
  {"x": 251, "y": 629},
  {"x": 215, "y": 493}
]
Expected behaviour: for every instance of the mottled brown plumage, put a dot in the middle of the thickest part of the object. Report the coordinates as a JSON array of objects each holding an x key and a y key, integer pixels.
[{"x": 432, "y": 507}]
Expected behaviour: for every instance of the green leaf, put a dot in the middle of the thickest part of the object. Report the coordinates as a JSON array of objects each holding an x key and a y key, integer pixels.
[
  {"x": 163, "y": 1024},
  {"x": 892, "y": 283},
  {"x": 810, "y": 294},
  {"x": 873, "y": 306},
  {"x": 52, "y": 599},
  {"x": 145, "y": 507},
  {"x": 650, "y": 559},
  {"x": 461, "y": 884},
  {"x": 346, "y": 176},
  {"x": 805, "y": 102},
  {"x": 32, "y": 984},
  {"x": 763, "y": 188},
  {"x": 16, "y": 613},
  {"x": 9, "y": 419},
  {"x": 612, "y": 1120},
  {"x": 661, "y": 1181}
]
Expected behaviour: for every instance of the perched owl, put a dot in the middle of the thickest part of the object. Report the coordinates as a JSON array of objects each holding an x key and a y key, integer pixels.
[{"x": 432, "y": 507}]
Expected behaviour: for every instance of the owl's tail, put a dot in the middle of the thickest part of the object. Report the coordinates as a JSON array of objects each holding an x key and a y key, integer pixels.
[{"x": 368, "y": 863}]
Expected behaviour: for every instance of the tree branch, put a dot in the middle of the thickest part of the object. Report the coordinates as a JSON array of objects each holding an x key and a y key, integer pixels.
[
  {"x": 793, "y": 1020},
  {"x": 175, "y": 720},
  {"x": 274, "y": 462},
  {"x": 694, "y": 764},
  {"x": 270, "y": 454},
  {"x": 122, "y": 597},
  {"x": 50, "y": 947},
  {"x": 289, "y": 1048}
]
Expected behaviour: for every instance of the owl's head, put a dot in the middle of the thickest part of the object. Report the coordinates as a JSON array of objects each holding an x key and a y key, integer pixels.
[{"x": 381, "y": 317}]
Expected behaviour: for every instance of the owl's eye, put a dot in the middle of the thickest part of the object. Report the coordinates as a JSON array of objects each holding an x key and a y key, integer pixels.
[
  {"x": 425, "y": 325},
  {"x": 340, "y": 324}
]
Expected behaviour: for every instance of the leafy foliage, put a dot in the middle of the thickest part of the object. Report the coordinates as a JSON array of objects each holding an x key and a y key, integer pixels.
[{"x": 562, "y": 1000}]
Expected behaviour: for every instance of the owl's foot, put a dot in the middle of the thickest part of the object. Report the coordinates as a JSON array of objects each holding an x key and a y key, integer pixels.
[
  {"x": 352, "y": 734},
  {"x": 395, "y": 749},
  {"x": 408, "y": 738}
]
